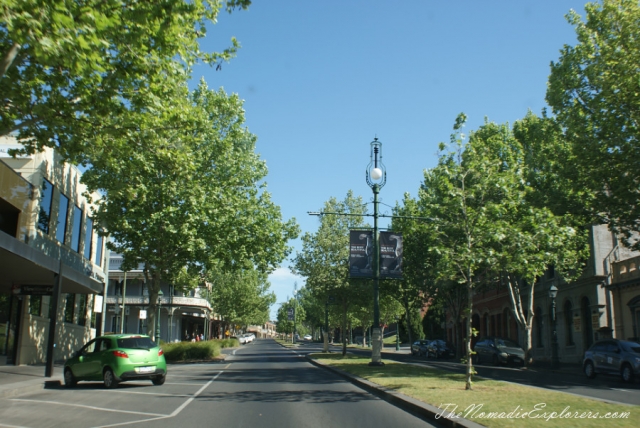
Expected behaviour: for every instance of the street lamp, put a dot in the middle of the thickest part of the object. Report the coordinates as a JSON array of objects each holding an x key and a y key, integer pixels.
[
  {"x": 555, "y": 362},
  {"x": 376, "y": 178},
  {"x": 397, "y": 333},
  {"x": 160, "y": 294}
]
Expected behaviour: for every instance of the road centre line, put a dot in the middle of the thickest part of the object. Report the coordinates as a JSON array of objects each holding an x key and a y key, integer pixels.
[{"x": 58, "y": 403}]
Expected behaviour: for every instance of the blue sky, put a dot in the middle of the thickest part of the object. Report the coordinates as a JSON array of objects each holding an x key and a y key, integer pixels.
[{"x": 320, "y": 79}]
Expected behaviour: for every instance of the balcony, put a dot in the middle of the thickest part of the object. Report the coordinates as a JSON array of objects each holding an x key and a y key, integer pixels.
[
  {"x": 626, "y": 270},
  {"x": 166, "y": 301}
]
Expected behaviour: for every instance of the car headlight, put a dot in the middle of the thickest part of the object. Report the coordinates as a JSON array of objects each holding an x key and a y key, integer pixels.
[
  {"x": 504, "y": 354},
  {"x": 637, "y": 360}
]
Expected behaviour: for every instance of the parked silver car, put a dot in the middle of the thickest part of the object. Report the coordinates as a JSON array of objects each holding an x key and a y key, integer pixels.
[{"x": 617, "y": 357}]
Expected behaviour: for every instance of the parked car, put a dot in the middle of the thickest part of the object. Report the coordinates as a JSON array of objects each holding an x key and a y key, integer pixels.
[
  {"x": 307, "y": 337},
  {"x": 117, "y": 358},
  {"x": 498, "y": 350},
  {"x": 241, "y": 339},
  {"x": 440, "y": 349},
  {"x": 419, "y": 347},
  {"x": 616, "y": 357}
]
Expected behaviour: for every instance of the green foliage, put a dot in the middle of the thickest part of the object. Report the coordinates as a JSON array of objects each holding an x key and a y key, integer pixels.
[
  {"x": 184, "y": 351},
  {"x": 73, "y": 74},
  {"x": 593, "y": 90}
]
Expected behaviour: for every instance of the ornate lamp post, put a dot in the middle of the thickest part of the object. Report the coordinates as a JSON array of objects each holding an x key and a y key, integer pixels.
[
  {"x": 397, "y": 333},
  {"x": 555, "y": 362},
  {"x": 160, "y": 294},
  {"x": 376, "y": 179}
]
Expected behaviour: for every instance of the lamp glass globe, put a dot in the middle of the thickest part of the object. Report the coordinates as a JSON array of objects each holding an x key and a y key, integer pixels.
[{"x": 376, "y": 173}]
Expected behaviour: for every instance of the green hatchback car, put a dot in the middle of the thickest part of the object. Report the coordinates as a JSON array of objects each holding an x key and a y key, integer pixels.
[{"x": 117, "y": 358}]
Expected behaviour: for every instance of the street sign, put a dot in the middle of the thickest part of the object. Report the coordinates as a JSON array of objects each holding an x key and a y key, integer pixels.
[
  {"x": 36, "y": 290},
  {"x": 290, "y": 314}
]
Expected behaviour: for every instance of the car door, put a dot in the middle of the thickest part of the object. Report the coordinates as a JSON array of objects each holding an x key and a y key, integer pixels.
[
  {"x": 81, "y": 368},
  {"x": 481, "y": 350},
  {"x": 93, "y": 361},
  {"x": 614, "y": 357}
]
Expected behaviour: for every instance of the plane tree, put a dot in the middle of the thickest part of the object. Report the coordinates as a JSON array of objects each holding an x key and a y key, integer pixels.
[
  {"x": 187, "y": 200},
  {"x": 593, "y": 91},
  {"x": 72, "y": 72}
]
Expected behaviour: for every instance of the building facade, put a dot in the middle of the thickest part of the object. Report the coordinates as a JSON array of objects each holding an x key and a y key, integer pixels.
[
  {"x": 183, "y": 315},
  {"x": 51, "y": 258},
  {"x": 603, "y": 302}
]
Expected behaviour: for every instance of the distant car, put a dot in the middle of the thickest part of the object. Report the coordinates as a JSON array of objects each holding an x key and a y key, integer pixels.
[
  {"x": 497, "y": 351},
  {"x": 419, "y": 347},
  {"x": 307, "y": 337},
  {"x": 117, "y": 358},
  {"x": 241, "y": 339},
  {"x": 616, "y": 357},
  {"x": 440, "y": 349},
  {"x": 248, "y": 337}
]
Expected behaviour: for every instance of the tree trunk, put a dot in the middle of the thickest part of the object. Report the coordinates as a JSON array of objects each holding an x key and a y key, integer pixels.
[{"x": 469, "y": 329}]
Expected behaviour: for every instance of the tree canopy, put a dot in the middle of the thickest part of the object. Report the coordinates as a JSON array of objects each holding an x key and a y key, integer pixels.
[
  {"x": 71, "y": 71},
  {"x": 594, "y": 91}
]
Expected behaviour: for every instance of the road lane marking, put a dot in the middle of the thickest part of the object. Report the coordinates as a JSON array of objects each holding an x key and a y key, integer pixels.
[
  {"x": 58, "y": 403},
  {"x": 186, "y": 403},
  {"x": 175, "y": 412},
  {"x": 156, "y": 393}
]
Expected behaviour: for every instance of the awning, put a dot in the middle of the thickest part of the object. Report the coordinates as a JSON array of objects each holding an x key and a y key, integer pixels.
[{"x": 21, "y": 264}]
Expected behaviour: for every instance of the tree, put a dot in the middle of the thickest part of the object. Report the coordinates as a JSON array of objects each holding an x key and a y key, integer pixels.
[
  {"x": 186, "y": 201},
  {"x": 531, "y": 236},
  {"x": 463, "y": 192},
  {"x": 325, "y": 256},
  {"x": 71, "y": 71},
  {"x": 241, "y": 297},
  {"x": 593, "y": 90},
  {"x": 283, "y": 323}
]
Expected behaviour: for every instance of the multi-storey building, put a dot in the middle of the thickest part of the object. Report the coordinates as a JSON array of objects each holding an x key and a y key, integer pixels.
[
  {"x": 183, "y": 315},
  {"x": 50, "y": 251},
  {"x": 603, "y": 302}
]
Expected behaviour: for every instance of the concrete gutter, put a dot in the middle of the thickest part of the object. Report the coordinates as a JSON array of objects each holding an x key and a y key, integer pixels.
[{"x": 415, "y": 407}]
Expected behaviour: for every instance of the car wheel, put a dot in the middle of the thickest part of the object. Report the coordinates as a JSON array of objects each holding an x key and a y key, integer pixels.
[
  {"x": 627, "y": 373},
  {"x": 159, "y": 380},
  {"x": 109, "y": 378},
  {"x": 69, "y": 380},
  {"x": 589, "y": 370}
]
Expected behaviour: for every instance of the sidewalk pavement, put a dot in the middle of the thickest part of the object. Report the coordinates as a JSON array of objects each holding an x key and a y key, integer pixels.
[{"x": 18, "y": 380}]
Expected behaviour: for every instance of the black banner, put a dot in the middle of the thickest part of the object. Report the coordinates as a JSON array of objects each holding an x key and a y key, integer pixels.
[
  {"x": 361, "y": 254},
  {"x": 390, "y": 255}
]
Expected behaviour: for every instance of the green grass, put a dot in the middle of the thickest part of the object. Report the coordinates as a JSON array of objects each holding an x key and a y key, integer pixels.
[
  {"x": 439, "y": 387},
  {"x": 389, "y": 340}
]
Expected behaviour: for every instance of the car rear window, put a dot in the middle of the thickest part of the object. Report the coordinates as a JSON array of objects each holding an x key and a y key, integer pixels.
[{"x": 136, "y": 343}]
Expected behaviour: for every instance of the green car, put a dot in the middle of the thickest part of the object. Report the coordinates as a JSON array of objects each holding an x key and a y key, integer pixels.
[{"x": 117, "y": 358}]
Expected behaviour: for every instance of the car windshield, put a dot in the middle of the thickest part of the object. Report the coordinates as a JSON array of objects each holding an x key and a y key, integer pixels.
[
  {"x": 136, "y": 343},
  {"x": 632, "y": 347},
  {"x": 503, "y": 343}
]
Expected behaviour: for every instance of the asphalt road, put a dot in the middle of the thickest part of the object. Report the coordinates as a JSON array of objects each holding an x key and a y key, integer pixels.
[
  {"x": 608, "y": 388},
  {"x": 261, "y": 385}
]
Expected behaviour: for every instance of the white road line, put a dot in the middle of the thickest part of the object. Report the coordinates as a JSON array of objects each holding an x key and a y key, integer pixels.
[
  {"x": 175, "y": 412},
  {"x": 160, "y": 394},
  {"x": 11, "y": 426},
  {"x": 186, "y": 403},
  {"x": 58, "y": 403}
]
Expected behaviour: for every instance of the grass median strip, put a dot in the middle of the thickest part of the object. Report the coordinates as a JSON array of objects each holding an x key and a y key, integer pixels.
[{"x": 490, "y": 403}]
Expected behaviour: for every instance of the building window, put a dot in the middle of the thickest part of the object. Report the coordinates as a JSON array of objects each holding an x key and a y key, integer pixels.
[
  {"x": 69, "y": 307},
  {"x": 88, "y": 238},
  {"x": 82, "y": 305},
  {"x": 99, "y": 244},
  {"x": 46, "y": 198},
  {"x": 63, "y": 210},
  {"x": 35, "y": 305},
  {"x": 568, "y": 323},
  {"x": 76, "y": 229}
]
